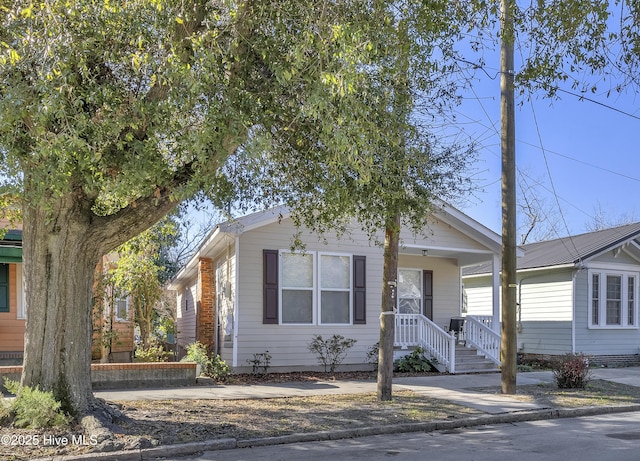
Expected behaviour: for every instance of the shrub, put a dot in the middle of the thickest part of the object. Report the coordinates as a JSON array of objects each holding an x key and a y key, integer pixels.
[
  {"x": 33, "y": 408},
  {"x": 372, "y": 355},
  {"x": 260, "y": 363},
  {"x": 416, "y": 362},
  {"x": 330, "y": 352},
  {"x": 211, "y": 366},
  {"x": 197, "y": 352},
  {"x": 217, "y": 369},
  {"x": 571, "y": 371},
  {"x": 151, "y": 354}
]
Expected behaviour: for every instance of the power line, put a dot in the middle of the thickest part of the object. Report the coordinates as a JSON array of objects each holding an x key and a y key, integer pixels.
[
  {"x": 556, "y": 88},
  {"x": 581, "y": 96}
]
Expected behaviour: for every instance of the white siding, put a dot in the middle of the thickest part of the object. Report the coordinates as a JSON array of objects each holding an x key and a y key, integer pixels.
[
  {"x": 546, "y": 296},
  {"x": 442, "y": 235},
  {"x": 186, "y": 317},
  {"x": 287, "y": 344},
  {"x": 479, "y": 291},
  {"x": 225, "y": 302}
]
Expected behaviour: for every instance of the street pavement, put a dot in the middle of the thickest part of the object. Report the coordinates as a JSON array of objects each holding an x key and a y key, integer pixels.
[{"x": 460, "y": 389}]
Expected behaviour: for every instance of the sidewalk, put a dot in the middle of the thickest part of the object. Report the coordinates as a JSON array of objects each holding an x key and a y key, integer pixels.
[
  {"x": 455, "y": 388},
  {"x": 458, "y": 389}
]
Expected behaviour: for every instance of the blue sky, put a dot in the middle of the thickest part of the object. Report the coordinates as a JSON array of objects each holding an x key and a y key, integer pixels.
[{"x": 584, "y": 151}]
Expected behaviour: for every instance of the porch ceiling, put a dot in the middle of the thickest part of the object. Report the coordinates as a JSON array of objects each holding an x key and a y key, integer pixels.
[{"x": 463, "y": 256}]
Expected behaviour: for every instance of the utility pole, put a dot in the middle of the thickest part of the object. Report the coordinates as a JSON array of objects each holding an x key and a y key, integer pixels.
[{"x": 508, "y": 351}]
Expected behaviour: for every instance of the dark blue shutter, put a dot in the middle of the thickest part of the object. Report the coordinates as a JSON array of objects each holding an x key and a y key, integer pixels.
[
  {"x": 270, "y": 295},
  {"x": 359, "y": 290},
  {"x": 4, "y": 288}
]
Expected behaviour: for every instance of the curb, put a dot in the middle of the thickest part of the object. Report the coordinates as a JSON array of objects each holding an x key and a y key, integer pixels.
[{"x": 185, "y": 449}]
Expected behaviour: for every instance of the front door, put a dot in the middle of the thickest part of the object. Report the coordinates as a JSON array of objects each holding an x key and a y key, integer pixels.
[{"x": 415, "y": 292}]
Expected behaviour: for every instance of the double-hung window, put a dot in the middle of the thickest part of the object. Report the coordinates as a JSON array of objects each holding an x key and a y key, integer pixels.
[
  {"x": 335, "y": 288},
  {"x": 316, "y": 288},
  {"x": 613, "y": 299},
  {"x": 298, "y": 286}
]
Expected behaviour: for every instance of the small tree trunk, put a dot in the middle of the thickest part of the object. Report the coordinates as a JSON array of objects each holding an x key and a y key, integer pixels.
[
  {"x": 60, "y": 258},
  {"x": 387, "y": 319}
]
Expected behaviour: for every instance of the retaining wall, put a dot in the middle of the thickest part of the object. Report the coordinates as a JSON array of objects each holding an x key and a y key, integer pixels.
[{"x": 129, "y": 375}]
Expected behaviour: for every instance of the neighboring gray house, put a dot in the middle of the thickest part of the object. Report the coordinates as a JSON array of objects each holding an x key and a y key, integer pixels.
[
  {"x": 576, "y": 294},
  {"x": 244, "y": 292}
]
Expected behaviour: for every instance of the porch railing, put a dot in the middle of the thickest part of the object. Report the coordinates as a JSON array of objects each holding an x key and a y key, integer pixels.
[
  {"x": 479, "y": 334},
  {"x": 418, "y": 330},
  {"x": 487, "y": 320}
]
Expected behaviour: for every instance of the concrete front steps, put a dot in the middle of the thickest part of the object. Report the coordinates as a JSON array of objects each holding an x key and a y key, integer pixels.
[{"x": 469, "y": 361}]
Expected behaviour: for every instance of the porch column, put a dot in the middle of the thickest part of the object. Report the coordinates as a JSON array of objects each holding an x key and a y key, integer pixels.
[{"x": 495, "y": 275}]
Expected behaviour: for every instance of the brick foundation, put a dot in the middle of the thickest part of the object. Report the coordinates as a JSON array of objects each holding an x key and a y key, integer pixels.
[{"x": 620, "y": 360}]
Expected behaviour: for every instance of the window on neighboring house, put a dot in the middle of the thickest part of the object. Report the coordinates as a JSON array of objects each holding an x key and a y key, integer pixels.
[
  {"x": 122, "y": 309},
  {"x": 595, "y": 299},
  {"x": 631, "y": 301},
  {"x": 613, "y": 301},
  {"x": 4, "y": 287},
  {"x": 314, "y": 288}
]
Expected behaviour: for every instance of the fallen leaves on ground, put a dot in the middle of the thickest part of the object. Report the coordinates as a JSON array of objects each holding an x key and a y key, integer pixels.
[{"x": 148, "y": 423}]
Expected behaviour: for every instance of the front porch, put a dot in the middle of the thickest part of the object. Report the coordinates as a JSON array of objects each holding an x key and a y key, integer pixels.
[{"x": 474, "y": 348}]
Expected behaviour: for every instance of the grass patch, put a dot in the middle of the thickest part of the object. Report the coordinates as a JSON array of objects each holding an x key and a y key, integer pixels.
[{"x": 596, "y": 392}]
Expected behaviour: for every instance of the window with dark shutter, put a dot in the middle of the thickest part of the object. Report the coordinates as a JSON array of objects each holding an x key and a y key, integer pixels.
[
  {"x": 4, "y": 288},
  {"x": 270, "y": 295},
  {"x": 359, "y": 290}
]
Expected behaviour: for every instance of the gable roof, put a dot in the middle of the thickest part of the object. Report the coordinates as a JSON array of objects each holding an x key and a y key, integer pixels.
[
  {"x": 572, "y": 250},
  {"x": 221, "y": 233}
]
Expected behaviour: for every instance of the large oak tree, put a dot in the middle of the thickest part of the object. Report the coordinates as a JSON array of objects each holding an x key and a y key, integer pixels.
[{"x": 113, "y": 112}]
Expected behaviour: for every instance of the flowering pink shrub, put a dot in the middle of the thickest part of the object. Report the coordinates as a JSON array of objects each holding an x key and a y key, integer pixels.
[{"x": 571, "y": 371}]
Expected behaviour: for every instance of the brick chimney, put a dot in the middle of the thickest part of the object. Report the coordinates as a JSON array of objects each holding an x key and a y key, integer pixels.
[{"x": 205, "y": 298}]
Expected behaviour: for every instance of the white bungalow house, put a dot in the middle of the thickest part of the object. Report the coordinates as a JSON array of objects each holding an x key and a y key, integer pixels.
[
  {"x": 577, "y": 294},
  {"x": 244, "y": 292}
]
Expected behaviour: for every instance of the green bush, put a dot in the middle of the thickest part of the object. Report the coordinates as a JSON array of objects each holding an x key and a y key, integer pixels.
[
  {"x": 571, "y": 371},
  {"x": 416, "y": 362},
  {"x": 211, "y": 366},
  {"x": 197, "y": 352},
  {"x": 217, "y": 369},
  {"x": 33, "y": 408},
  {"x": 152, "y": 354},
  {"x": 330, "y": 352}
]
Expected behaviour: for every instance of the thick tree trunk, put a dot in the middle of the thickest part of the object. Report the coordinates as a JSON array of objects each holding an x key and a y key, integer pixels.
[
  {"x": 387, "y": 318},
  {"x": 60, "y": 257},
  {"x": 63, "y": 242}
]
